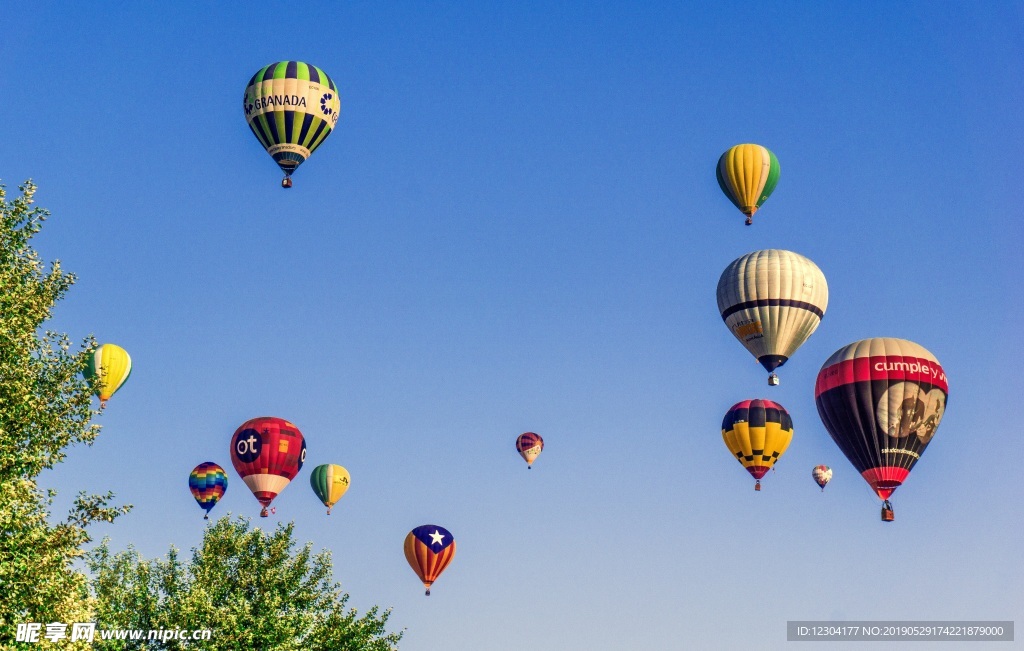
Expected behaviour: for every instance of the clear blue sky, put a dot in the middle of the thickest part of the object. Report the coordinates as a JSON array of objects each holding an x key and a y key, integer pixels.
[{"x": 516, "y": 226}]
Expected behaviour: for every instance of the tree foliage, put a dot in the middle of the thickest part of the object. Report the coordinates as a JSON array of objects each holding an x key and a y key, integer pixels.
[
  {"x": 253, "y": 589},
  {"x": 45, "y": 407}
]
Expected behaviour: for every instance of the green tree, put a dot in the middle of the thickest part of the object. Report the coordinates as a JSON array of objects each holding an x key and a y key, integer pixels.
[
  {"x": 45, "y": 407},
  {"x": 252, "y": 589}
]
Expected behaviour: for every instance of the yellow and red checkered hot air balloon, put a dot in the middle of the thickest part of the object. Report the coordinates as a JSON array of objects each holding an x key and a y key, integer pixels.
[
  {"x": 267, "y": 453},
  {"x": 757, "y": 432}
]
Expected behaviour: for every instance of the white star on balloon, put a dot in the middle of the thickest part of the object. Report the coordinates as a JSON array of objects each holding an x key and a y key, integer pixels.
[{"x": 435, "y": 538}]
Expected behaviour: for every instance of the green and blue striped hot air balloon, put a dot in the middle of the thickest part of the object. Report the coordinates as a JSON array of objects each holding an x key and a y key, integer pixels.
[{"x": 291, "y": 108}]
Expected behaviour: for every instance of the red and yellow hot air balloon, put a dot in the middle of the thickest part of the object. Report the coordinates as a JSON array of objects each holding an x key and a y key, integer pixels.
[
  {"x": 429, "y": 549},
  {"x": 881, "y": 401},
  {"x": 757, "y": 432},
  {"x": 267, "y": 453},
  {"x": 529, "y": 446}
]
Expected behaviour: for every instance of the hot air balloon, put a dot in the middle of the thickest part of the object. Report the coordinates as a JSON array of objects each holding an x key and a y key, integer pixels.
[
  {"x": 821, "y": 475},
  {"x": 772, "y": 301},
  {"x": 757, "y": 432},
  {"x": 208, "y": 482},
  {"x": 108, "y": 368},
  {"x": 881, "y": 400},
  {"x": 329, "y": 482},
  {"x": 267, "y": 453},
  {"x": 748, "y": 175},
  {"x": 529, "y": 446},
  {"x": 429, "y": 549},
  {"x": 291, "y": 108}
]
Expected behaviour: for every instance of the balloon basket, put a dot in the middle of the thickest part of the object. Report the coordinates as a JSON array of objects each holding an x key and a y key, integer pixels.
[
  {"x": 427, "y": 592},
  {"x": 887, "y": 514},
  {"x": 264, "y": 514},
  {"x": 286, "y": 182},
  {"x": 750, "y": 220},
  {"x": 773, "y": 380},
  {"x": 757, "y": 485}
]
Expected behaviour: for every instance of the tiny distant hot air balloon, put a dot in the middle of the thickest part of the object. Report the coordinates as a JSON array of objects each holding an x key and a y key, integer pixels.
[
  {"x": 208, "y": 483},
  {"x": 529, "y": 446},
  {"x": 772, "y": 301},
  {"x": 291, "y": 108},
  {"x": 881, "y": 401},
  {"x": 329, "y": 482},
  {"x": 267, "y": 453},
  {"x": 429, "y": 549},
  {"x": 757, "y": 432},
  {"x": 108, "y": 368},
  {"x": 822, "y": 475},
  {"x": 748, "y": 175}
]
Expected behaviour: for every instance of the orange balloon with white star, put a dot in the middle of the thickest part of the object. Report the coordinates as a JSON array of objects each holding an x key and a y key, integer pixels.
[{"x": 429, "y": 549}]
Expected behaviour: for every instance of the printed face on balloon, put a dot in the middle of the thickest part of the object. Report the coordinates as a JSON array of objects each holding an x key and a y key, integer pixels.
[{"x": 904, "y": 409}]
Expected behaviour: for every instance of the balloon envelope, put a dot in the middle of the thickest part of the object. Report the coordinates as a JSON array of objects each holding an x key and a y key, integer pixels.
[
  {"x": 821, "y": 475},
  {"x": 529, "y": 446},
  {"x": 881, "y": 401},
  {"x": 108, "y": 367},
  {"x": 291, "y": 108},
  {"x": 330, "y": 482},
  {"x": 757, "y": 432},
  {"x": 208, "y": 482},
  {"x": 772, "y": 301},
  {"x": 748, "y": 175},
  {"x": 267, "y": 453},
  {"x": 429, "y": 549}
]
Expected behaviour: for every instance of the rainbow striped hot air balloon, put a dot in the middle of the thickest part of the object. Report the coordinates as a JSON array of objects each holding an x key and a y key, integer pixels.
[
  {"x": 291, "y": 108},
  {"x": 208, "y": 483},
  {"x": 529, "y": 446},
  {"x": 267, "y": 453},
  {"x": 757, "y": 432},
  {"x": 748, "y": 175},
  {"x": 429, "y": 549},
  {"x": 108, "y": 368},
  {"x": 330, "y": 482}
]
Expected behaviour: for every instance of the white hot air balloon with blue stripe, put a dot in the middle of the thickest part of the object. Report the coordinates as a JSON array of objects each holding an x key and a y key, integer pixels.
[{"x": 772, "y": 301}]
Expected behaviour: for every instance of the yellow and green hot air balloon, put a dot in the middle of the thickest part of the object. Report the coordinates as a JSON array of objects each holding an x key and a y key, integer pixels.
[
  {"x": 108, "y": 369},
  {"x": 329, "y": 482},
  {"x": 291, "y": 108},
  {"x": 748, "y": 175}
]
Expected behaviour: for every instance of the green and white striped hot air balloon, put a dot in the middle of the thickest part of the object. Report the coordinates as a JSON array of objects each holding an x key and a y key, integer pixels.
[{"x": 291, "y": 108}]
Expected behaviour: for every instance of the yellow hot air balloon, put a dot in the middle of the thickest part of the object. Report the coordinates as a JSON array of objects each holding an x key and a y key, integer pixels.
[
  {"x": 748, "y": 175},
  {"x": 108, "y": 369},
  {"x": 330, "y": 481}
]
